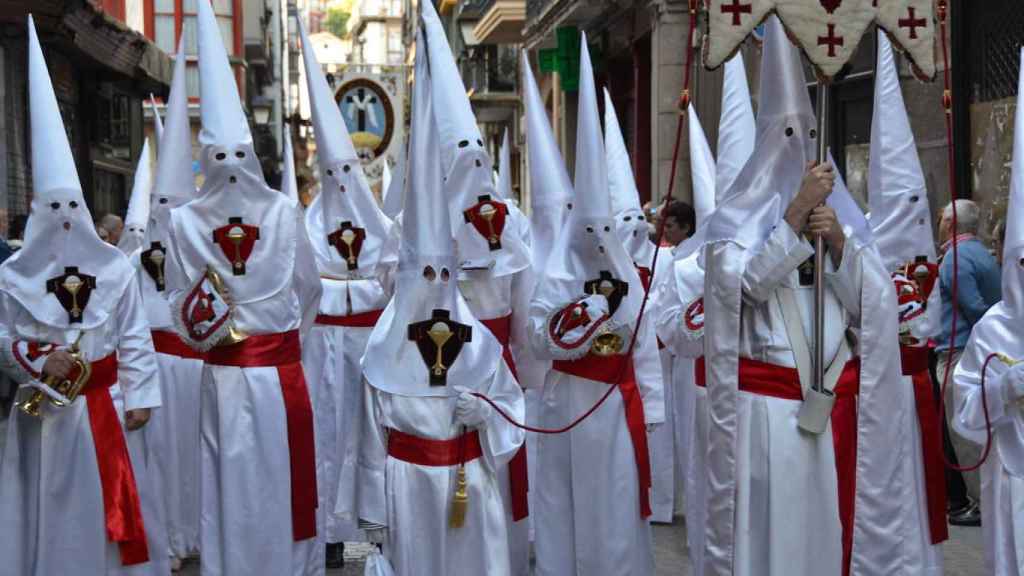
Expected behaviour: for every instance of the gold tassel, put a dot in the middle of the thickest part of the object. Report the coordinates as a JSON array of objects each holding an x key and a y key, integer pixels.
[{"x": 461, "y": 500}]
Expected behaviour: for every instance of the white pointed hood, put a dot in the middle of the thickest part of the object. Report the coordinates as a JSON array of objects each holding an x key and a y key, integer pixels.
[
  {"x": 1013, "y": 246},
  {"x": 158, "y": 122},
  {"x": 505, "y": 169},
  {"x": 174, "y": 183},
  {"x": 897, "y": 193},
  {"x": 61, "y": 247},
  {"x": 289, "y": 185},
  {"x": 587, "y": 244},
  {"x": 137, "y": 218},
  {"x": 483, "y": 231},
  {"x": 630, "y": 222},
  {"x": 550, "y": 188},
  {"x": 736, "y": 128},
  {"x": 350, "y": 234},
  {"x": 785, "y": 143},
  {"x": 395, "y": 191},
  {"x": 234, "y": 198},
  {"x": 426, "y": 294},
  {"x": 702, "y": 169}
]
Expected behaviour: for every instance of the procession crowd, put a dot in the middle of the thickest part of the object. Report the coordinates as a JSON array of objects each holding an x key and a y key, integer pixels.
[{"x": 479, "y": 391}]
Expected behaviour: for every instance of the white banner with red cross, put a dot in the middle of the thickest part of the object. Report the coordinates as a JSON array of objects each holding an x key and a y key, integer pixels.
[{"x": 828, "y": 31}]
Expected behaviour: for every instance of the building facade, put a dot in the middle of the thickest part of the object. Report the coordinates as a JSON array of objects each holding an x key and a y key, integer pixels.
[{"x": 101, "y": 70}]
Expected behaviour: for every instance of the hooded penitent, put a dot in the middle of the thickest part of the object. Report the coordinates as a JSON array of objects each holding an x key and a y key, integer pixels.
[
  {"x": 587, "y": 247},
  {"x": 427, "y": 339},
  {"x": 349, "y": 233},
  {"x": 289, "y": 186},
  {"x": 483, "y": 232},
  {"x": 174, "y": 183},
  {"x": 898, "y": 197},
  {"x": 752, "y": 207},
  {"x": 253, "y": 228},
  {"x": 137, "y": 218},
  {"x": 550, "y": 188},
  {"x": 630, "y": 222},
  {"x": 64, "y": 275},
  {"x": 999, "y": 331}
]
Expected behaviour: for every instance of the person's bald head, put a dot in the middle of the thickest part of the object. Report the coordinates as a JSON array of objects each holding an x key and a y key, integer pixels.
[{"x": 113, "y": 224}]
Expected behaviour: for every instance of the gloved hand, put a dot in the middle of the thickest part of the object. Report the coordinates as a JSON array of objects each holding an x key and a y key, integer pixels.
[
  {"x": 597, "y": 305},
  {"x": 1013, "y": 383},
  {"x": 471, "y": 411}
]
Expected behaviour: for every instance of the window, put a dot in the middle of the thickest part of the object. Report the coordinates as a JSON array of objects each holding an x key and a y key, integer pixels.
[{"x": 163, "y": 25}]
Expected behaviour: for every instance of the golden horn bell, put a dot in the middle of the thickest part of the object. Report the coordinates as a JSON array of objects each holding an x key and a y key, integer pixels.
[
  {"x": 234, "y": 335},
  {"x": 69, "y": 388}
]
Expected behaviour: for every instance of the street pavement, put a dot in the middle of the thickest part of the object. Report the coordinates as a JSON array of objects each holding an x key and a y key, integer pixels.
[{"x": 963, "y": 552}]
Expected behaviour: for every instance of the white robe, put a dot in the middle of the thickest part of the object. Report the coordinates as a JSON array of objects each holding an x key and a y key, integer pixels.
[
  {"x": 412, "y": 501},
  {"x": 51, "y": 499},
  {"x": 172, "y": 435},
  {"x": 689, "y": 400},
  {"x": 587, "y": 517},
  {"x": 245, "y": 525},
  {"x": 1002, "y": 476},
  {"x": 661, "y": 441},
  {"x": 786, "y": 522},
  {"x": 330, "y": 358}
]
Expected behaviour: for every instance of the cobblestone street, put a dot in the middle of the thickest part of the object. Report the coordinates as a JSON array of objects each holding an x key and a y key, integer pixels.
[{"x": 964, "y": 555}]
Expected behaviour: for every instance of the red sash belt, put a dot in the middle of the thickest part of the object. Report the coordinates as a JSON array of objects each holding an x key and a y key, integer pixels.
[
  {"x": 767, "y": 379},
  {"x": 429, "y": 452},
  {"x": 166, "y": 342},
  {"x": 915, "y": 365},
  {"x": 618, "y": 370},
  {"x": 518, "y": 470},
  {"x": 283, "y": 351},
  {"x": 122, "y": 509},
  {"x": 361, "y": 320}
]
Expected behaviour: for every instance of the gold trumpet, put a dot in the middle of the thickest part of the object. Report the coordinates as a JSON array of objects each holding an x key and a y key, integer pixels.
[
  {"x": 69, "y": 387},
  {"x": 234, "y": 335}
]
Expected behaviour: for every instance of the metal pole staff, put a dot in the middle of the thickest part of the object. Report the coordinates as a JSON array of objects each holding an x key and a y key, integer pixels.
[{"x": 819, "y": 250}]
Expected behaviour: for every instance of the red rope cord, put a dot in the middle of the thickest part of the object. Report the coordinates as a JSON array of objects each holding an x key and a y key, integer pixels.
[
  {"x": 947, "y": 105},
  {"x": 684, "y": 102}
]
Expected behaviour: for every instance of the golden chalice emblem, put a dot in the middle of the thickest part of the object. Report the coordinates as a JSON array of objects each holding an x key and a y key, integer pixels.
[
  {"x": 157, "y": 258},
  {"x": 236, "y": 234},
  {"x": 73, "y": 284},
  {"x": 605, "y": 288},
  {"x": 348, "y": 236},
  {"x": 440, "y": 333},
  {"x": 488, "y": 212}
]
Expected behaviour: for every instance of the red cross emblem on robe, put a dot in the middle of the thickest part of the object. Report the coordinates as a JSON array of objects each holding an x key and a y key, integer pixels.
[
  {"x": 72, "y": 289},
  {"x": 348, "y": 241},
  {"x": 237, "y": 241},
  {"x": 488, "y": 218}
]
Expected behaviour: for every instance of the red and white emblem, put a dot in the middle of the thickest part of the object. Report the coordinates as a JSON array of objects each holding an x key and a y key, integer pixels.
[
  {"x": 694, "y": 316},
  {"x": 202, "y": 315},
  {"x": 488, "y": 218},
  {"x": 237, "y": 240}
]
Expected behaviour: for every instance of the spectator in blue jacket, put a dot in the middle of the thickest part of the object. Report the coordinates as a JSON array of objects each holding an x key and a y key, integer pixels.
[{"x": 978, "y": 278}]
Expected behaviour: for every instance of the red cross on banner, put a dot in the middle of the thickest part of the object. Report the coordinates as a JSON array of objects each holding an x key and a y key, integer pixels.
[
  {"x": 912, "y": 23},
  {"x": 831, "y": 40},
  {"x": 736, "y": 9}
]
